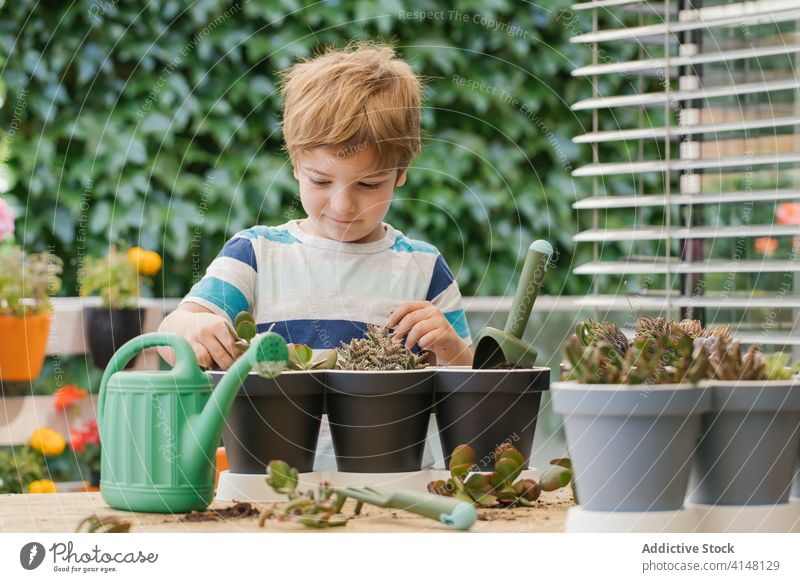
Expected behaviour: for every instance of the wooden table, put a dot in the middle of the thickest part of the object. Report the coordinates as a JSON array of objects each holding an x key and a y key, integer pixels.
[{"x": 61, "y": 513}]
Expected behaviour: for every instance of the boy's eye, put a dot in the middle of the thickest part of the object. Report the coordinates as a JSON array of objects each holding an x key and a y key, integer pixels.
[
  {"x": 319, "y": 182},
  {"x": 369, "y": 185}
]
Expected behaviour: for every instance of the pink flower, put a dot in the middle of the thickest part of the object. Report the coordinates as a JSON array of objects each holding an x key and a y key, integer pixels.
[{"x": 6, "y": 221}]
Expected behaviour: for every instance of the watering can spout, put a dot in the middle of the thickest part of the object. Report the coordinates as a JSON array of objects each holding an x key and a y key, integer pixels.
[{"x": 269, "y": 354}]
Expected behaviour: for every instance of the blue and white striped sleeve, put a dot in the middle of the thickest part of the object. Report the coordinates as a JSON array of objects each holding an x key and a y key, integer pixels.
[
  {"x": 443, "y": 292},
  {"x": 228, "y": 286}
]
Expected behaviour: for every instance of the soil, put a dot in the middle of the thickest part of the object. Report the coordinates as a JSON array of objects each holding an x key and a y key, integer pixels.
[
  {"x": 239, "y": 510},
  {"x": 508, "y": 366}
]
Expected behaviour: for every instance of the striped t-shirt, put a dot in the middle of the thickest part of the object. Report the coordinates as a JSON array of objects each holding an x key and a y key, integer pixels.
[{"x": 318, "y": 291}]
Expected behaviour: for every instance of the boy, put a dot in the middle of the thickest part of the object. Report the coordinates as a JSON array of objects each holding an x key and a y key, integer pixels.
[{"x": 351, "y": 124}]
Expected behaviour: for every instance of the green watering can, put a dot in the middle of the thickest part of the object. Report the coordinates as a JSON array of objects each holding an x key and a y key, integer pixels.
[
  {"x": 160, "y": 429},
  {"x": 494, "y": 346}
]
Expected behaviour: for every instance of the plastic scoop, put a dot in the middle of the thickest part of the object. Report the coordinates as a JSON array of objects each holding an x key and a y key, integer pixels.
[
  {"x": 496, "y": 347},
  {"x": 447, "y": 510}
]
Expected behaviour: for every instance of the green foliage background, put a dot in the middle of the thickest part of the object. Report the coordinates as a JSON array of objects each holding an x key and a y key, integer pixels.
[{"x": 158, "y": 123}]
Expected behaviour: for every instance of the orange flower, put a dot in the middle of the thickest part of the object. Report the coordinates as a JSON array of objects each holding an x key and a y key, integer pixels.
[
  {"x": 147, "y": 262},
  {"x": 788, "y": 213},
  {"x": 42, "y": 486},
  {"x": 67, "y": 396},
  {"x": 766, "y": 246}
]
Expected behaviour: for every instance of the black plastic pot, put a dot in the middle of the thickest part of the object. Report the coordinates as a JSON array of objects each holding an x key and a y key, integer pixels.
[
  {"x": 108, "y": 329},
  {"x": 274, "y": 418},
  {"x": 379, "y": 420},
  {"x": 485, "y": 408}
]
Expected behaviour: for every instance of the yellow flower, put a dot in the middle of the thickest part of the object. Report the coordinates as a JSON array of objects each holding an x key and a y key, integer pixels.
[
  {"x": 42, "y": 486},
  {"x": 147, "y": 262},
  {"x": 48, "y": 442}
]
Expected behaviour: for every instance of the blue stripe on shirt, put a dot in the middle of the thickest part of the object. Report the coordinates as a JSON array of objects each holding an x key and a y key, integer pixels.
[
  {"x": 440, "y": 279},
  {"x": 222, "y": 294},
  {"x": 458, "y": 320},
  {"x": 410, "y": 245},
  {"x": 271, "y": 233},
  {"x": 241, "y": 249}
]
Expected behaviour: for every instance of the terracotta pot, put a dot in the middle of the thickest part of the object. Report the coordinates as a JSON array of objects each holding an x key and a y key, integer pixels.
[{"x": 22, "y": 350}]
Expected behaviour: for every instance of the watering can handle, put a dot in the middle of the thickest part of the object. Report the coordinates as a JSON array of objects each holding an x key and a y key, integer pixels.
[{"x": 184, "y": 358}]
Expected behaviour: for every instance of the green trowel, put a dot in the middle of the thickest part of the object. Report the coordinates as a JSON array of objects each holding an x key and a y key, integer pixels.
[{"x": 496, "y": 347}]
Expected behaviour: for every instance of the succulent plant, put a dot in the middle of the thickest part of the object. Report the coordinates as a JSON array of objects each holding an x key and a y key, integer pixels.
[
  {"x": 591, "y": 332},
  {"x": 597, "y": 363},
  {"x": 695, "y": 329},
  {"x": 661, "y": 353},
  {"x": 778, "y": 366},
  {"x": 313, "y": 509},
  {"x": 728, "y": 363},
  {"x": 244, "y": 330},
  {"x": 378, "y": 351},
  {"x": 301, "y": 357},
  {"x": 499, "y": 487}
]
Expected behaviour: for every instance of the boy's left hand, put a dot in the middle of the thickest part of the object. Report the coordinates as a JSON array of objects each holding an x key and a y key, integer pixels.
[{"x": 423, "y": 323}]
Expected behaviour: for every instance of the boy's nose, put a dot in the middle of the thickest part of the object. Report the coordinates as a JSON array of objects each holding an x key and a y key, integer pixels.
[{"x": 342, "y": 205}]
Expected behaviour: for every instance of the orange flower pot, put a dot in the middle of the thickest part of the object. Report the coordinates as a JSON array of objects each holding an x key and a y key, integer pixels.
[
  {"x": 222, "y": 463},
  {"x": 23, "y": 347}
]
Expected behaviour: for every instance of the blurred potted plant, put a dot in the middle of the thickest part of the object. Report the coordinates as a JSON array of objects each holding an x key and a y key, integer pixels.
[
  {"x": 632, "y": 412},
  {"x": 22, "y": 469},
  {"x": 27, "y": 280},
  {"x": 118, "y": 278}
]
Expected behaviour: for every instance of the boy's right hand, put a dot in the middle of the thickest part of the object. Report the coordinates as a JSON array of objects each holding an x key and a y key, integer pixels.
[{"x": 208, "y": 333}]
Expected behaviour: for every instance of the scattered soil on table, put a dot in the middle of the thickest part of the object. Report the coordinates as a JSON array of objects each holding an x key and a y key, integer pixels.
[{"x": 239, "y": 510}]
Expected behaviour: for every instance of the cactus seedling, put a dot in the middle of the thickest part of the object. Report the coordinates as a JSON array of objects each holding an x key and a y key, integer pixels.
[
  {"x": 301, "y": 357},
  {"x": 591, "y": 332},
  {"x": 378, "y": 351},
  {"x": 500, "y": 487}
]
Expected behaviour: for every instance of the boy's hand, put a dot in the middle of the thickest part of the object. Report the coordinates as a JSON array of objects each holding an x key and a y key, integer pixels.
[
  {"x": 208, "y": 333},
  {"x": 423, "y": 323}
]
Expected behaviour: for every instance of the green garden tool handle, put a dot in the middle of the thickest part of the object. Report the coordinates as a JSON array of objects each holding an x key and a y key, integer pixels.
[
  {"x": 530, "y": 281},
  {"x": 452, "y": 512},
  {"x": 185, "y": 359}
]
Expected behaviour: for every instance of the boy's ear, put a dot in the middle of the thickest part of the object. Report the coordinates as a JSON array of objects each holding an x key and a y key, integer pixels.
[
  {"x": 294, "y": 173},
  {"x": 401, "y": 179}
]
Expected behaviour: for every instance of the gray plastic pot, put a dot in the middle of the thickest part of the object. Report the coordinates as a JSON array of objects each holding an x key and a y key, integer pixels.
[
  {"x": 485, "y": 408},
  {"x": 379, "y": 420},
  {"x": 749, "y": 444},
  {"x": 274, "y": 418},
  {"x": 631, "y": 447}
]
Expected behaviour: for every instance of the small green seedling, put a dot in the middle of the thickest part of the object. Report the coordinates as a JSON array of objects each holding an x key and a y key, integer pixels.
[{"x": 106, "y": 524}]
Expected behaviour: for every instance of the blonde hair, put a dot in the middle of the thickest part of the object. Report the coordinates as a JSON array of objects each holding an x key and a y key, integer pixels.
[{"x": 355, "y": 97}]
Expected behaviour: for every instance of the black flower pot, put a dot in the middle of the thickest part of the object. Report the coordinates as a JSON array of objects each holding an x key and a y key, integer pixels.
[
  {"x": 108, "y": 329},
  {"x": 485, "y": 408},
  {"x": 94, "y": 477},
  {"x": 274, "y": 418},
  {"x": 379, "y": 420}
]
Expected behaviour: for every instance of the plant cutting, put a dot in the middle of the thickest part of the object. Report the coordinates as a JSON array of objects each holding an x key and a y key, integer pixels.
[
  {"x": 497, "y": 488},
  {"x": 750, "y": 439},
  {"x": 118, "y": 279},
  {"x": 378, "y": 350},
  {"x": 632, "y": 412},
  {"x": 27, "y": 280}
]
